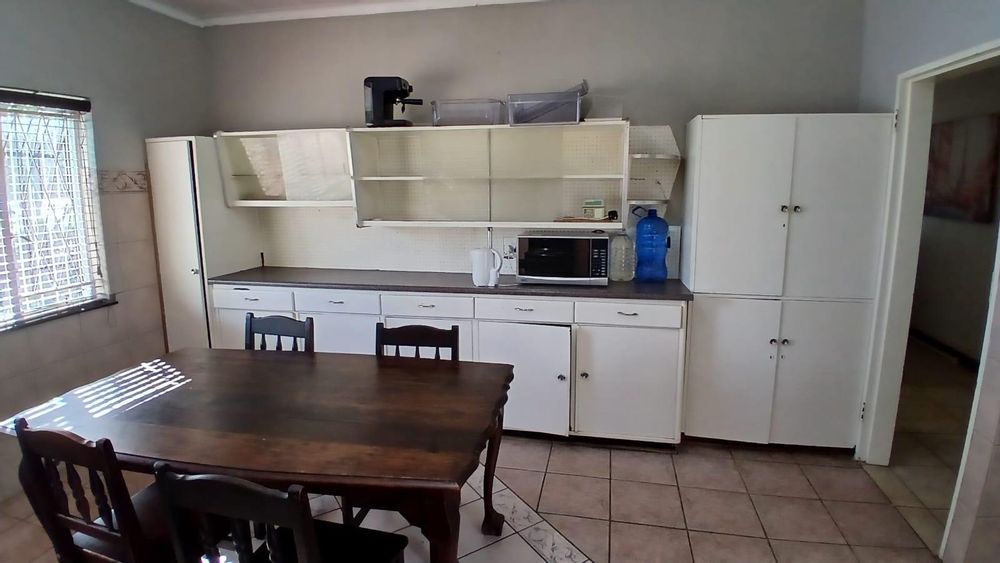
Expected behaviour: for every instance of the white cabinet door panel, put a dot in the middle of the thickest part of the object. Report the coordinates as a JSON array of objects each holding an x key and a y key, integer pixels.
[
  {"x": 464, "y": 336},
  {"x": 344, "y": 333},
  {"x": 229, "y": 326},
  {"x": 817, "y": 398},
  {"x": 631, "y": 381},
  {"x": 745, "y": 177},
  {"x": 838, "y": 196},
  {"x": 178, "y": 249},
  {"x": 538, "y": 400},
  {"x": 731, "y": 368}
]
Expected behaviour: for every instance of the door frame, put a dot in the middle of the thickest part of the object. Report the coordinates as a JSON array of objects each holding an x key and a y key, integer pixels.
[{"x": 898, "y": 260}]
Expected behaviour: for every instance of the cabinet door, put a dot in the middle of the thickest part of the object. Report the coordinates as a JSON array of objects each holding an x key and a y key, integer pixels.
[
  {"x": 464, "y": 336},
  {"x": 344, "y": 333},
  {"x": 229, "y": 326},
  {"x": 817, "y": 398},
  {"x": 731, "y": 368},
  {"x": 538, "y": 400},
  {"x": 627, "y": 382},
  {"x": 177, "y": 246},
  {"x": 745, "y": 176},
  {"x": 838, "y": 196}
]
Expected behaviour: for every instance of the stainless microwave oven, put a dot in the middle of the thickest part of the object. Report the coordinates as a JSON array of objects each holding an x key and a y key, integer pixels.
[{"x": 554, "y": 257}]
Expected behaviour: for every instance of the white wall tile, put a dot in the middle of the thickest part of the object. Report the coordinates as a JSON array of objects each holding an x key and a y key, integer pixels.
[
  {"x": 140, "y": 309},
  {"x": 55, "y": 340},
  {"x": 136, "y": 265},
  {"x": 15, "y": 355}
]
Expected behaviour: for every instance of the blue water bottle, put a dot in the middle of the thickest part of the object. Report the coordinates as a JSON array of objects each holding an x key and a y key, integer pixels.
[{"x": 651, "y": 248}]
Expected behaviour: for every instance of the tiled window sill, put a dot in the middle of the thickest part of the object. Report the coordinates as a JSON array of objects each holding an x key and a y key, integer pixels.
[{"x": 61, "y": 313}]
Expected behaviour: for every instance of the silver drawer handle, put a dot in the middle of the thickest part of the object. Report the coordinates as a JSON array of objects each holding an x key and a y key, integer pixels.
[
  {"x": 251, "y": 299},
  {"x": 426, "y": 306},
  {"x": 624, "y": 314},
  {"x": 336, "y": 302},
  {"x": 524, "y": 309}
]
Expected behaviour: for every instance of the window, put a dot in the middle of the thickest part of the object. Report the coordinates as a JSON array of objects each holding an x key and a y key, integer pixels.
[{"x": 51, "y": 249}]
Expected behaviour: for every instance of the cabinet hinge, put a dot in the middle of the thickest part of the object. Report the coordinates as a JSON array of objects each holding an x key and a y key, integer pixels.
[
  {"x": 863, "y": 405},
  {"x": 895, "y": 119}
]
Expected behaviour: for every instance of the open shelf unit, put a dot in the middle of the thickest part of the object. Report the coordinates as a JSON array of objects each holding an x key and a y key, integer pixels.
[{"x": 489, "y": 176}]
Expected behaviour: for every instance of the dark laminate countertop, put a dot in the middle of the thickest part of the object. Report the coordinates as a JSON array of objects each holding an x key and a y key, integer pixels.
[{"x": 435, "y": 282}]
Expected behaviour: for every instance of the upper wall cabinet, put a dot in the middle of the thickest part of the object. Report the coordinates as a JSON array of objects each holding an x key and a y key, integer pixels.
[
  {"x": 304, "y": 168},
  {"x": 479, "y": 176}
]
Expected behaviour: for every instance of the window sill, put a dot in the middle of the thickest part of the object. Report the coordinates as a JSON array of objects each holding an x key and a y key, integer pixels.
[{"x": 61, "y": 313}]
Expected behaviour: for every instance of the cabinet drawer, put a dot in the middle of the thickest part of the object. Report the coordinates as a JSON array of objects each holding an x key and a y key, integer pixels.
[
  {"x": 628, "y": 314},
  {"x": 427, "y": 306},
  {"x": 336, "y": 301},
  {"x": 524, "y": 310},
  {"x": 278, "y": 299}
]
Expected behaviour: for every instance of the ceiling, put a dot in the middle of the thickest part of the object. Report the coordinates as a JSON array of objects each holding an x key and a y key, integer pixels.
[{"x": 231, "y": 12}]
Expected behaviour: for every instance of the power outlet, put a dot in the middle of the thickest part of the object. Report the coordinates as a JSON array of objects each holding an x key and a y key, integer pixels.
[{"x": 508, "y": 250}]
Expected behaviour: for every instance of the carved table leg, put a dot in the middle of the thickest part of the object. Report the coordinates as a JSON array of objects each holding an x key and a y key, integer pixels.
[
  {"x": 437, "y": 516},
  {"x": 492, "y": 520}
]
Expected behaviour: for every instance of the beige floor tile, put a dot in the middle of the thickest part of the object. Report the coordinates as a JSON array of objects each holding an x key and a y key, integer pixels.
[
  {"x": 552, "y": 545},
  {"x": 892, "y": 486},
  {"x": 893, "y": 555},
  {"x": 588, "y": 534},
  {"x": 470, "y": 536},
  {"x": 7, "y": 522},
  {"x": 719, "y": 548},
  {"x": 932, "y": 485},
  {"x": 649, "y": 467},
  {"x": 775, "y": 478},
  {"x": 523, "y": 453},
  {"x": 323, "y": 504},
  {"x": 573, "y": 495},
  {"x": 525, "y": 484},
  {"x": 708, "y": 472},
  {"x": 930, "y": 530},
  {"x": 796, "y": 519},
  {"x": 476, "y": 481},
  {"x": 908, "y": 450},
  {"x": 801, "y": 552},
  {"x": 17, "y": 506},
  {"x": 646, "y": 503},
  {"x": 23, "y": 542},
  {"x": 830, "y": 459},
  {"x": 47, "y": 557},
  {"x": 877, "y": 525},
  {"x": 580, "y": 460},
  {"x": 941, "y": 514},
  {"x": 634, "y": 543},
  {"x": 510, "y": 549},
  {"x": 720, "y": 511},
  {"x": 948, "y": 447},
  {"x": 515, "y": 512},
  {"x": 843, "y": 483}
]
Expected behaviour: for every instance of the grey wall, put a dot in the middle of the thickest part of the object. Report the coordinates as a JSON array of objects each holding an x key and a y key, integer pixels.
[
  {"x": 146, "y": 76},
  {"x": 954, "y": 273},
  {"x": 903, "y": 34},
  {"x": 668, "y": 60}
]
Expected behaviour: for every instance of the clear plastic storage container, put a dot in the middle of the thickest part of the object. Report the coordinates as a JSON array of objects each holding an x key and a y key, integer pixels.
[
  {"x": 545, "y": 107},
  {"x": 467, "y": 112}
]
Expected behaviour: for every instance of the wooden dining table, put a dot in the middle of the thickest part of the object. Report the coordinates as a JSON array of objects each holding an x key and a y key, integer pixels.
[{"x": 399, "y": 434}]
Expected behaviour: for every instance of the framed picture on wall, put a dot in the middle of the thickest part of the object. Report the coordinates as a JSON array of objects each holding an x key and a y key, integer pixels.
[{"x": 962, "y": 173}]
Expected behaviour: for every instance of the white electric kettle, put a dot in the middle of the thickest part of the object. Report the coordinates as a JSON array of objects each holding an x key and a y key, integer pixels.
[{"x": 486, "y": 264}]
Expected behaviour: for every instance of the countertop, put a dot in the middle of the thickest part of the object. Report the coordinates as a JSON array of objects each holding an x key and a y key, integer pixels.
[{"x": 438, "y": 282}]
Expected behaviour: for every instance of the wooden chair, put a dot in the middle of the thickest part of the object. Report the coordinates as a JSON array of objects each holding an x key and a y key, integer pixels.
[
  {"x": 279, "y": 327},
  {"x": 121, "y": 528},
  {"x": 417, "y": 336},
  {"x": 292, "y": 534}
]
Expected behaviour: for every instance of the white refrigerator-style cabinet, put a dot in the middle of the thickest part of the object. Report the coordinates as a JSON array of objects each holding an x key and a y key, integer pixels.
[{"x": 784, "y": 218}]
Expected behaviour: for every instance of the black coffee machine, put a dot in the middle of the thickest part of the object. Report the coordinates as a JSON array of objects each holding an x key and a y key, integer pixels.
[{"x": 381, "y": 94}]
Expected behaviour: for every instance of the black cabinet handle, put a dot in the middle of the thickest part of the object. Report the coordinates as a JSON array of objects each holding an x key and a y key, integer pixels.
[
  {"x": 785, "y": 342},
  {"x": 784, "y": 209},
  {"x": 561, "y": 377},
  {"x": 585, "y": 375},
  {"x": 797, "y": 208},
  {"x": 774, "y": 341}
]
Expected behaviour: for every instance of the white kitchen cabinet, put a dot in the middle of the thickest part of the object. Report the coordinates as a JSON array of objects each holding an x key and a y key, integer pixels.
[
  {"x": 817, "y": 394},
  {"x": 539, "y": 397},
  {"x": 344, "y": 333},
  {"x": 731, "y": 368},
  {"x": 628, "y": 382},
  {"x": 464, "y": 335},
  {"x": 229, "y": 326}
]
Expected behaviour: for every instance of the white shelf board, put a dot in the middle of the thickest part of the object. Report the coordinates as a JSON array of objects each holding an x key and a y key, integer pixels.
[
  {"x": 445, "y": 178},
  {"x": 289, "y": 203},
  {"x": 655, "y": 156},
  {"x": 606, "y": 226}
]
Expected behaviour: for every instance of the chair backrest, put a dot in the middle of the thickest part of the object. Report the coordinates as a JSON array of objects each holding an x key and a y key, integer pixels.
[
  {"x": 193, "y": 501},
  {"x": 49, "y": 457},
  {"x": 279, "y": 327},
  {"x": 417, "y": 336}
]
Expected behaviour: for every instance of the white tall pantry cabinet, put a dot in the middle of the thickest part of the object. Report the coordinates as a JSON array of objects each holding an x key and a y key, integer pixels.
[{"x": 784, "y": 216}]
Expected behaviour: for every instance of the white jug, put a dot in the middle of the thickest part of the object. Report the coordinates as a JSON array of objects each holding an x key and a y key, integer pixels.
[{"x": 486, "y": 264}]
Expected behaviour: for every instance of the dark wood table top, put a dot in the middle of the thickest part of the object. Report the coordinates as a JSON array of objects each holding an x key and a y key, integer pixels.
[{"x": 321, "y": 420}]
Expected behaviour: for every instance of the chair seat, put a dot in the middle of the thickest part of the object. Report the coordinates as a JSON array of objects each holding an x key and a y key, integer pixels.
[
  {"x": 155, "y": 530},
  {"x": 339, "y": 543}
]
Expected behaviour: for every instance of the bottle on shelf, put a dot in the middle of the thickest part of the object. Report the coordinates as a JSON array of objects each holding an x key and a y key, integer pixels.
[
  {"x": 651, "y": 248},
  {"x": 622, "y": 258}
]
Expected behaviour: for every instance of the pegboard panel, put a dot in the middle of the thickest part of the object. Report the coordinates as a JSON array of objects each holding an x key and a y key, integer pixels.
[
  {"x": 328, "y": 238},
  {"x": 597, "y": 149},
  {"x": 653, "y": 139},
  {"x": 653, "y": 178},
  {"x": 462, "y": 153},
  {"x": 433, "y": 200},
  {"x": 575, "y": 191},
  {"x": 555, "y": 151}
]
